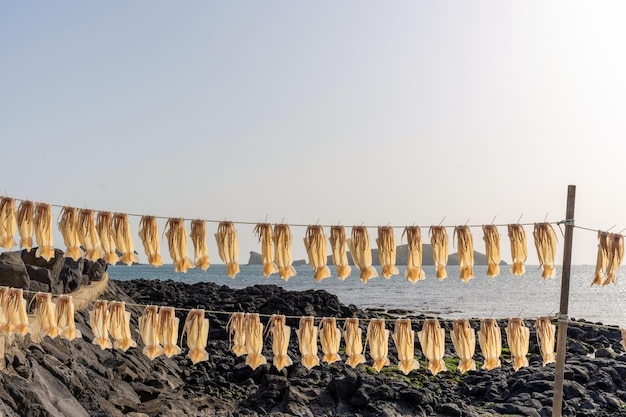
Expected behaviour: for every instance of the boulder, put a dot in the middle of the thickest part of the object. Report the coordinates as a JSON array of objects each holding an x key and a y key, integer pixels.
[
  {"x": 72, "y": 274},
  {"x": 38, "y": 287},
  {"x": 54, "y": 264},
  {"x": 40, "y": 276},
  {"x": 13, "y": 272},
  {"x": 94, "y": 269}
]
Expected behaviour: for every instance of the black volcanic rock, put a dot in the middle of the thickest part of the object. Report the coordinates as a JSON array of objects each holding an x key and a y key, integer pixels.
[
  {"x": 13, "y": 272},
  {"x": 61, "y": 378},
  {"x": 23, "y": 269}
]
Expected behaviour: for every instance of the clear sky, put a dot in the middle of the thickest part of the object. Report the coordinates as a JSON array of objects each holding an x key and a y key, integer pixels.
[{"x": 359, "y": 112}]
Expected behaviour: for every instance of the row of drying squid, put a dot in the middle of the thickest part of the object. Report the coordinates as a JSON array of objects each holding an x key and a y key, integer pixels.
[
  {"x": 53, "y": 319},
  {"x": 158, "y": 329},
  {"x": 245, "y": 330},
  {"x": 610, "y": 256},
  {"x": 101, "y": 236}
]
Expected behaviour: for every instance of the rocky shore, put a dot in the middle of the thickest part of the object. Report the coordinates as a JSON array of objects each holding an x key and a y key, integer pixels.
[{"x": 61, "y": 378}]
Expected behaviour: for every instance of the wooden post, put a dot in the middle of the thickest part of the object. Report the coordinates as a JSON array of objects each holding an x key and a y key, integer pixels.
[{"x": 557, "y": 400}]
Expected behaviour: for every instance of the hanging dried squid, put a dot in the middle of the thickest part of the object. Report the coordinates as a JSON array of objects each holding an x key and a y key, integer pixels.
[
  {"x": 616, "y": 255},
  {"x": 177, "y": 242},
  {"x": 43, "y": 231},
  {"x": 104, "y": 226},
  {"x": 414, "y": 271},
  {"x": 464, "y": 340},
  {"x": 545, "y": 243},
  {"x": 315, "y": 245},
  {"x": 387, "y": 251},
  {"x": 338, "y": 244},
  {"x": 282, "y": 254},
  {"x": 518, "y": 338},
  {"x": 88, "y": 234},
  {"x": 119, "y": 326},
  {"x": 5, "y": 325},
  {"x": 99, "y": 323},
  {"x": 359, "y": 245},
  {"x": 264, "y": 232},
  {"x": 45, "y": 316},
  {"x": 465, "y": 248},
  {"x": 254, "y": 340},
  {"x": 149, "y": 331},
  {"x": 517, "y": 236},
  {"x": 546, "y": 339},
  {"x": 490, "y": 341},
  {"x": 378, "y": 339},
  {"x": 65, "y": 318},
  {"x": 149, "y": 236},
  {"x": 352, "y": 334},
  {"x": 604, "y": 248},
  {"x": 14, "y": 306},
  {"x": 228, "y": 247},
  {"x": 168, "y": 331},
  {"x": 492, "y": 249},
  {"x": 404, "y": 338},
  {"x": 439, "y": 242},
  {"x": 307, "y": 339},
  {"x": 200, "y": 248},
  {"x": 280, "y": 341},
  {"x": 237, "y": 333},
  {"x": 330, "y": 339},
  {"x": 68, "y": 226},
  {"x": 8, "y": 222},
  {"x": 123, "y": 238},
  {"x": 26, "y": 224},
  {"x": 432, "y": 339},
  {"x": 196, "y": 328}
]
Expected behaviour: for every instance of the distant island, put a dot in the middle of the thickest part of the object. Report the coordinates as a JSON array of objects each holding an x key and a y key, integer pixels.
[{"x": 402, "y": 253}]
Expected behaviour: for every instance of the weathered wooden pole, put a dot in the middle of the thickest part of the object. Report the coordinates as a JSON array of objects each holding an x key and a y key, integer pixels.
[{"x": 557, "y": 401}]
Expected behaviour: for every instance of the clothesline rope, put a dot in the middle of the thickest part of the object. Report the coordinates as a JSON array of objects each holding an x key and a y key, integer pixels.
[
  {"x": 222, "y": 312},
  {"x": 229, "y": 313},
  {"x": 289, "y": 224},
  {"x": 553, "y": 318}
]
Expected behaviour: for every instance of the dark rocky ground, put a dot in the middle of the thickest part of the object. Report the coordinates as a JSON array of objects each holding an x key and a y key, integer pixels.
[{"x": 61, "y": 378}]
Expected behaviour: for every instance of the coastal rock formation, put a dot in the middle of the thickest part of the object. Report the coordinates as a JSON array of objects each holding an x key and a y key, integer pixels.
[
  {"x": 13, "y": 271},
  {"x": 402, "y": 253},
  {"x": 59, "y": 275},
  {"x": 257, "y": 259},
  {"x": 61, "y": 378}
]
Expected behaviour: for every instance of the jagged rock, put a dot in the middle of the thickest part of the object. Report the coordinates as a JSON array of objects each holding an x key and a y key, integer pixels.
[
  {"x": 13, "y": 272},
  {"x": 94, "y": 269},
  {"x": 43, "y": 276},
  {"x": 604, "y": 353},
  {"x": 55, "y": 264},
  {"x": 72, "y": 274},
  {"x": 43, "y": 394},
  {"x": 344, "y": 385},
  {"x": 59, "y": 275},
  {"x": 38, "y": 287},
  {"x": 516, "y": 409}
]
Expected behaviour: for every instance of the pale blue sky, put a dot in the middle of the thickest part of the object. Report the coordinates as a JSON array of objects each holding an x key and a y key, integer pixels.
[{"x": 359, "y": 112}]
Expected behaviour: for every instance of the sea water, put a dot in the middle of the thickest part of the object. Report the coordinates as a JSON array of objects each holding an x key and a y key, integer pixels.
[{"x": 505, "y": 296}]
